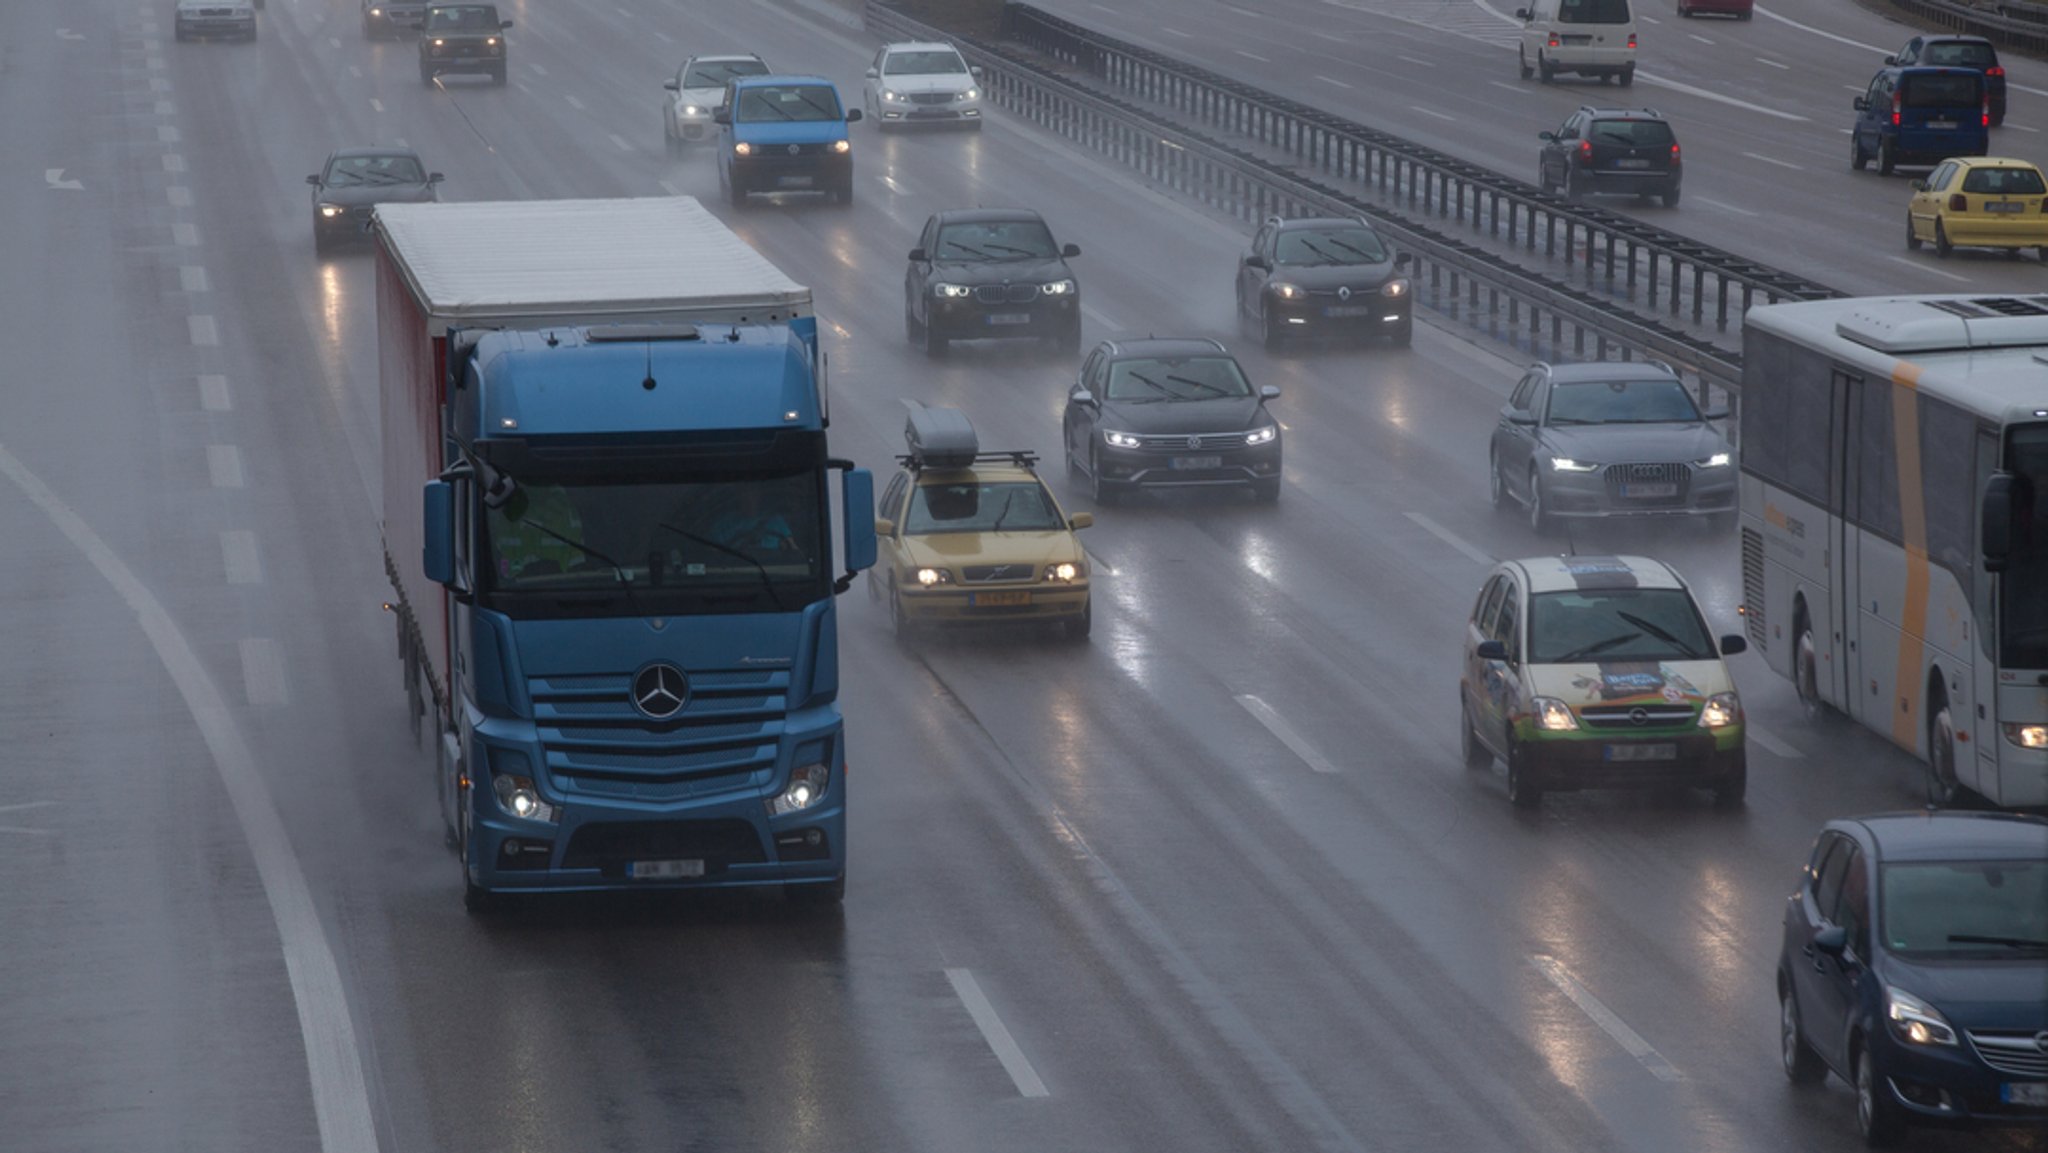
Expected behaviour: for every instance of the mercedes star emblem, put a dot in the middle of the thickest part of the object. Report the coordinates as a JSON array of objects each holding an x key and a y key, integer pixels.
[
  {"x": 660, "y": 691},
  {"x": 1344, "y": 292}
]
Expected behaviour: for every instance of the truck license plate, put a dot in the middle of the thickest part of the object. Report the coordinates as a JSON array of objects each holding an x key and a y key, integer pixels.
[
  {"x": 999, "y": 599},
  {"x": 1645, "y": 491},
  {"x": 1009, "y": 318},
  {"x": 2024, "y": 1093},
  {"x": 1197, "y": 463},
  {"x": 792, "y": 182},
  {"x": 1659, "y": 752},
  {"x": 665, "y": 870}
]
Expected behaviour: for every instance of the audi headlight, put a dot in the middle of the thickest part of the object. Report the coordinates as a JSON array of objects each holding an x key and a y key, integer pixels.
[
  {"x": 742, "y": 149},
  {"x": 1395, "y": 287},
  {"x": 1266, "y": 435},
  {"x": 1121, "y": 439},
  {"x": 330, "y": 211},
  {"x": 1058, "y": 288},
  {"x": 1287, "y": 291},
  {"x": 805, "y": 789},
  {"x": 1915, "y": 1021},
  {"x": 1720, "y": 711},
  {"x": 842, "y": 147},
  {"x": 518, "y": 798},
  {"x": 934, "y": 576},
  {"x": 951, "y": 291},
  {"x": 1066, "y": 572},
  {"x": 1567, "y": 464},
  {"x": 1718, "y": 460},
  {"x": 1553, "y": 714},
  {"x": 2028, "y": 736}
]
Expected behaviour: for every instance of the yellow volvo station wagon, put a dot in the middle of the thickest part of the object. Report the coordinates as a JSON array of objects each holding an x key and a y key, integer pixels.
[{"x": 1980, "y": 202}]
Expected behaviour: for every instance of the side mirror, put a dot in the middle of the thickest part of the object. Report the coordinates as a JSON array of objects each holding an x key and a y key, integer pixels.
[
  {"x": 1069, "y": 251},
  {"x": 884, "y": 526},
  {"x": 1862, "y": 104},
  {"x": 437, "y": 520},
  {"x": 435, "y": 178},
  {"x": 1833, "y": 940},
  {"x": 1719, "y": 413},
  {"x": 1732, "y": 644},
  {"x": 1491, "y": 651},
  {"x": 1081, "y": 396},
  {"x": 1892, "y": 59},
  {"x": 874, "y": 74},
  {"x": 1521, "y": 416},
  {"x": 672, "y": 86},
  {"x": 852, "y": 115},
  {"x": 1522, "y": 14},
  {"x": 918, "y": 256},
  {"x": 1269, "y": 392},
  {"x": 1403, "y": 259},
  {"x": 1917, "y": 185},
  {"x": 722, "y": 114},
  {"x": 974, "y": 70},
  {"x": 313, "y": 180},
  {"x": 1994, "y": 530},
  {"x": 1256, "y": 261},
  {"x": 1081, "y": 520},
  {"x": 857, "y": 494},
  {"x": 1546, "y": 134},
  {"x": 503, "y": 24}
]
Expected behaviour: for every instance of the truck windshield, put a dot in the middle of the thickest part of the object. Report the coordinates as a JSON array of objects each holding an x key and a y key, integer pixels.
[
  {"x": 704, "y": 545},
  {"x": 2023, "y": 588}
]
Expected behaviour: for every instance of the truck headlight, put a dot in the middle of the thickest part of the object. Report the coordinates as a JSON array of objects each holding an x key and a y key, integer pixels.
[
  {"x": 1567, "y": 464},
  {"x": 1553, "y": 714},
  {"x": 1065, "y": 571},
  {"x": 1266, "y": 435},
  {"x": 1058, "y": 288},
  {"x": 692, "y": 110},
  {"x": 2028, "y": 736},
  {"x": 1720, "y": 711},
  {"x": 518, "y": 798},
  {"x": 1718, "y": 460},
  {"x": 330, "y": 211},
  {"x": 1915, "y": 1021},
  {"x": 743, "y": 149},
  {"x": 934, "y": 576},
  {"x": 842, "y": 147},
  {"x": 805, "y": 789},
  {"x": 951, "y": 291},
  {"x": 1121, "y": 439}
]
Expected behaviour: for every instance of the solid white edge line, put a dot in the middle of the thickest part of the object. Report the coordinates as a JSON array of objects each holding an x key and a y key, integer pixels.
[
  {"x": 1278, "y": 726},
  {"x": 1763, "y": 11},
  {"x": 1471, "y": 551},
  {"x": 1772, "y": 744},
  {"x": 341, "y": 1098},
  {"x": 1722, "y": 205},
  {"x": 1613, "y": 1026},
  {"x": 1100, "y": 317},
  {"x": 1433, "y": 112},
  {"x": 1911, "y": 263},
  {"x": 996, "y": 1034}
]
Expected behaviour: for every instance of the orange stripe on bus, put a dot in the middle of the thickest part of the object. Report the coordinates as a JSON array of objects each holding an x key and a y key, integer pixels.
[{"x": 1913, "y": 525}]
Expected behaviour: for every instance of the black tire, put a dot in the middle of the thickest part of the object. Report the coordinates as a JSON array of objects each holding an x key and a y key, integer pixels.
[
  {"x": 1496, "y": 484},
  {"x": 1403, "y": 336},
  {"x": 1885, "y": 160},
  {"x": 1858, "y": 159},
  {"x": 843, "y": 195},
  {"x": 1266, "y": 491},
  {"x": 1544, "y": 70},
  {"x": 1879, "y": 1118},
  {"x": 899, "y": 622},
  {"x": 1068, "y": 342},
  {"x": 1270, "y": 334},
  {"x": 1471, "y": 749},
  {"x": 498, "y": 75},
  {"x": 1523, "y": 793},
  {"x": 1077, "y": 627},
  {"x": 669, "y": 143},
  {"x": 1731, "y": 789},
  {"x": 1802, "y": 1065},
  {"x": 1670, "y": 197},
  {"x": 817, "y": 896},
  {"x": 1805, "y": 667},
  {"x": 1942, "y": 247},
  {"x": 1522, "y": 62},
  {"x": 426, "y": 76},
  {"x": 1103, "y": 493},
  {"x": 1912, "y": 241},
  {"x": 936, "y": 343},
  {"x": 1744, "y": 15},
  {"x": 1628, "y": 76},
  {"x": 1944, "y": 789},
  {"x": 912, "y": 334},
  {"x": 735, "y": 192},
  {"x": 320, "y": 242},
  {"x": 1539, "y": 517}
]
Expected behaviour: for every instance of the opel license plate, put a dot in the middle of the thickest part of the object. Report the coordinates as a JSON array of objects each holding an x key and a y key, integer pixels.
[
  {"x": 665, "y": 870},
  {"x": 1647, "y": 491},
  {"x": 993, "y": 600},
  {"x": 1666, "y": 751},
  {"x": 1197, "y": 463},
  {"x": 2024, "y": 1093},
  {"x": 792, "y": 182},
  {"x": 1009, "y": 318}
]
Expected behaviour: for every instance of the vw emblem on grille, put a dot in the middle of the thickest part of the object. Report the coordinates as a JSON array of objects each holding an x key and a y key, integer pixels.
[
  {"x": 795, "y": 148},
  {"x": 1639, "y": 716},
  {"x": 660, "y": 691},
  {"x": 1344, "y": 292},
  {"x": 1194, "y": 442}
]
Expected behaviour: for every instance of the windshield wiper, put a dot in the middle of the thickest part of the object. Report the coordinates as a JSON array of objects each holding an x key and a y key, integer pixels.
[
  {"x": 1023, "y": 252},
  {"x": 966, "y": 248},
  {"x": 1362, "y": 254},
  {"x": 1161, "y": 389},
  {"x": 619, "y": 572},
  {"x": 767, "y": 581},
  {"x": 1198, "y": 384},
  {"x": 1659, "y": 633},
  {"x": 1007, "y": 502},
  {"x": 774, "y": 109},
  {"x": 827, "y": 112},
  {"x": 1595, "y": 647},
  {"x": 1328, "y": 257},
  {"x": 2014, "y": 942}
]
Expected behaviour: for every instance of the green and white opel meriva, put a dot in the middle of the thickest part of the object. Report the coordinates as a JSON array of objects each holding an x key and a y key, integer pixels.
[{"x": 1598, "y": 672}]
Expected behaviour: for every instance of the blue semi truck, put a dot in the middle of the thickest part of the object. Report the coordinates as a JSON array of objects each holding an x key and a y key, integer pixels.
[{"x": 608, "y": 521}]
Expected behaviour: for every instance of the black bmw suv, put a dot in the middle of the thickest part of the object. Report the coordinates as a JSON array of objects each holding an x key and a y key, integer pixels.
[
  {"x": 1630, "y": 151},
  {"x": 990, "y": 272},
  {"x": 463, "y": 38}
]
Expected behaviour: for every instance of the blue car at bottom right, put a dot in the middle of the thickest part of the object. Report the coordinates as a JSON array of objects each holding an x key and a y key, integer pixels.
[{"x": 1915, "y": 967}]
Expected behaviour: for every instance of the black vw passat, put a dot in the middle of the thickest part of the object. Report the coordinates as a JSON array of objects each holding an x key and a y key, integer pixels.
[
  {"x": 1915, "y": 967},
  {"x": 986, "y": 273},
  {"x": 1170, "y": 413},
  {"x": 1322, "y": 276}
]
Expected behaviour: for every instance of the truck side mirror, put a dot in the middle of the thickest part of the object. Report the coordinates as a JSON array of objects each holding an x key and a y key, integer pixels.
[
  {"x": 1733, "y": 643},
  {"x": 857, "y": 494},
  {"x": 1546, "y": 134},
  {"x": 1994, "y": 531},
  {"x": 437, "y": 520}
]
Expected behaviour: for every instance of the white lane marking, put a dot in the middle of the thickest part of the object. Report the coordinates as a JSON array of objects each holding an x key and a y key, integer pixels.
[
  {"x": 179, "y": 195},
  {"x": 1472, "y": 552},
  {"x": 334, "y": 43},
  {"x": 376, "y": 105},
  {"x": 153, "y": 62},
  {"x": 2024, "y": 88},
  {"x": 1508, "y": 86},
  {"x": 224, "y": 465},
  {"x": 996, "y": 1034},
  {"x": 1763, "y": 11},
  {"x": 1651, "y": 20},
  {"x": 341, "y": 1099},
  {"x": 165, "y": 134},
  {"x": 159, "y": 84},
  {"x": 1175, "y": 32},
  {"x": 1772, "y": 744},
  {"x": 669, "y": 186},
  {"x": 263, "y": 671},
  {"x": 23, "y": 829},
  {"x": 1253, "y": 56},
  {"x": 1286, "y": 734},
  {"x": 1774, "y": 160},
  {"x": 573, "y": 102},
  {"x": 166, "y": 108},
  {"x": 25, "y": 806},
  {"x": 1334, "y": 39},
  {"x": 1432, "y": 112},
  {"x": 539, "y": 71},
  {"x": 1911, "y": 263},
  {"x": 213, "y": 393},
  {"x": 1857, "y": 87},
  {"x": 1722, "y": 205},
  {"x": 2022, "y": 128},
  {"x": 238, "y": 557},
  {"x": 185, "y": 234},
  {"x": 1100, "y": 317},
  {"x": 1331, "y": 80},
  {"x": 1700, "y": 38},
  {"x": 193, "y": 278},
  {"x": 620, "y": 141},
  {"x": 1097, "y": 566},
  {"x": 1708, "y": 94},
  {"x": 1245, "y": 12},
  {"x": 356, "y": 70},
  {"x": 54, "y": 177},
  {"x": 68, "y": 34},
  {"x": 1604, "y": 1017},
  {"x": 1773, "y": 63},
  {"x": 892, "y": 184},
  {"x": 1415, "y": 60},
  {"x": 204, "y": 332},
  {"x": 173, "y": 162}
]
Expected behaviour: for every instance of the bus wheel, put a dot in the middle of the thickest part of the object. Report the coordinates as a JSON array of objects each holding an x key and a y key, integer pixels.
[
  {"x": 1942, "y": 786},
  {"x": 1806, "y": 669}
]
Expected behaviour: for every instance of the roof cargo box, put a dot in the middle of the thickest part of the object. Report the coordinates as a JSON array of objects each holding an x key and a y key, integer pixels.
[{"x": 940, "y": 438}]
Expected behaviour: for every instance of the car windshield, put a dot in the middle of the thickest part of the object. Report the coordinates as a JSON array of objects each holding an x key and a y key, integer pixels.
[
  {"x": 715, "y": 73},
  {"x": 982, "y": 506},
  {"x": 1593, "y": 12},
  {"x": 1631, "y": 133},
  {"x": 1621, "y": 402},
  {"x": 1965, "y": 908},
  {"x": 466, "y": 19},
  {"x": 923, "y": 62},
  {"x": 2023, "y": 586},
  {"x": 996, "y": 240},
  {"x": 1953, "y": 54},
  {"x": 1312, "y": 246},
  {"x": 351, "y": 171},
  {"x": 1941, "y": 90},
  {"x": 1620, "y": 624},
  {"x": 788, "y": 102},
  {"x": 1187, "y": 378},
  {"x": 2003, "y": 181}
]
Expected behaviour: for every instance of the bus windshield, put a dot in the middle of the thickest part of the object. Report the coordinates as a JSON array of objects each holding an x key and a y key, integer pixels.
[{"x": 2023, "y": 613}]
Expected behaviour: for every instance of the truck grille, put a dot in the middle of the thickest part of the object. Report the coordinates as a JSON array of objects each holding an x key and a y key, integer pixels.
[
  {"x": 598, "y": 744},
  {"x": 1006, "y": 293}
]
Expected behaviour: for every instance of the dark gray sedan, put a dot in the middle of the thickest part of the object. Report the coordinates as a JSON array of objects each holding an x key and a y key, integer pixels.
[
  {"x": 1609, "y": 439},
  {"x": 355, "y": 180},
  {"x": 1170, "y": 414}
]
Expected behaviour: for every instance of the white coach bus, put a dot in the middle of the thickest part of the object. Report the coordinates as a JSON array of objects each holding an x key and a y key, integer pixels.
[{"x": 1894, "y": 510}]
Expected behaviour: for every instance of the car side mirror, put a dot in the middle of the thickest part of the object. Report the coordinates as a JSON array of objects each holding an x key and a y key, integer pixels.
[
  {"x": 1069, "y": 251},
  {"x": 1994, "y": 529},
  {"x": 1081, "y": 396},
  {"x": 435, "y": 178},
  {"x": 503, "y": 24},
  {"x": 874, "y": 74},
  {"x": 1720, "y": 413},
  {"x": 1732, "y": 644},
  {"x": 1254, "y": 260},
  {"x": 672, "y": 86},
  {"x": 1892, "y": 59},
  {"x": 1081, "y": 520},
  {"x": 884, "y": 526},
  {"x": 852, "y": 115},
  {"x": 917, "y": 256},
  {"x": 1862, "y": 104},
  {"x": 1523, "y": 14},
  {"x": 1833, "y": 940},
  {"x": 722, "y": 114},
  {"x": 1918, "y": 185},
  {"x": 1546, "y": 134},
  {"x": 1269, "y": 392},
  {"x": 313, "y": 180},
  {"x": 1521, "y": 416},
  {"x": 1491, "y": 651},
  {"x": 1403, "y": 259}
]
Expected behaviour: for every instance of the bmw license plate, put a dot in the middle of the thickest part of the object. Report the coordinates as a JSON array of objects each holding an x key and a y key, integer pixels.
[
  {"x": 1009, "y": 318},
  {"x": 2005, "y": 206},
  {"x": 1666, "y": 751},
  {"x": 997, "y": 600},
  {"x": 665, "y": 870},
  {"x": 1941, "y": 124},
  {"x": 2024, "y": 1093},
  {"x": 1197, "y": 463},
  {"x": 1347, "y": 310},
  {"x": 1632, "y": 163},
  {"x": 792, "y": 182},
  {"x": 1646, "y": 491}
]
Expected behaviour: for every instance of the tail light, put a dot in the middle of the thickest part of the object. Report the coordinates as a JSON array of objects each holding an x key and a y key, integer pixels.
[
  {"x": 1994, "y": 70},
  {"x": 1586, "y": 151},
  {"x": 1895, "y": 110},
  {"x": 1987, "y": 113},
  {"x": 1631, "y": 40},
  {"x": 1553, "y": 40},
  {"x": 1958, "y": 203},
  {"x": 1674, "y": 156}
]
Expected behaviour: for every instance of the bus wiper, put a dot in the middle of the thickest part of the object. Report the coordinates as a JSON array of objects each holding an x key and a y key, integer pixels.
[
  {"x": 1595, "y": 647},
  {"x": 1660, "y": 634},
  {"x": 2014, "y": 942},
  {"x": 767, "y": 581}
]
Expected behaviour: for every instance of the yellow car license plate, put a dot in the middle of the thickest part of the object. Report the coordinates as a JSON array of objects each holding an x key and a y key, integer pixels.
[{"x": 999, "y": 599}]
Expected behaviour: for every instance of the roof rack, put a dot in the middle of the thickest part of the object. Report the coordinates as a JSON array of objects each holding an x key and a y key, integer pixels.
[{"x": 1023, "y": 458}]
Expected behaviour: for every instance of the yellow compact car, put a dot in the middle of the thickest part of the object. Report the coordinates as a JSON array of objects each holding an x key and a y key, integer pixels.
[
  {"x": 1980, "y": 202},
  {"x": 972, "y": 536}
]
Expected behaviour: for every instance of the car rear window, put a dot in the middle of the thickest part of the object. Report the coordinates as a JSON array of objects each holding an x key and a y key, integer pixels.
[
  {"x": 1593, "y": 12},
  {"x": 1631, "y": 133},
  {"x": 1961, "y": 55},
  {"x": 2004, "y": 181},
  {"x": 1934, "y": 90}
]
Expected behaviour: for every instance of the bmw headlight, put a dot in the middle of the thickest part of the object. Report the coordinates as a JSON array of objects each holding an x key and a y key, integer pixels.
[
  {"x": 1395, "y": 287},
  {"x": 518, "y": 798},
  {"x": 1567, "y": 464},
  {"x": 742, "y": 149},
  {"x": 1058, "y": 288},
  {"x": 1065, "y": 572},
  {"x": 951, "y": 291},
  {"x": 842, "y": 147},
  {"x": 330, "y": 211},
  {"x": 1287, "y": 291},
  {"x": 934, "y": 576},
  {"x": 1718, "y": 460},
  {"x": 1915, "y": 1021},
  {"x": 1266, "y": 435},
  {"x": 806, "y": 788},
  {"x": 1720, "y": 711},
  {"x": 1553, "y": 714},
  {"x": 1121, "y": 439}
]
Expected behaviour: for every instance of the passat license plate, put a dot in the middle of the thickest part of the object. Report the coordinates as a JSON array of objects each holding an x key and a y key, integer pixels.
[
  {"x": 1648, "y": 491},
  {"x": 1001, "y": 600},
  {"x": 1197, "y": 462},
  {"x": 666, "y": 870},
  {"x": 2024, "y": 1093},
  {"x": 1009, "y": 318},
  {"x": 792, "y": 182},
  {"x": 1666, "y": 751}
]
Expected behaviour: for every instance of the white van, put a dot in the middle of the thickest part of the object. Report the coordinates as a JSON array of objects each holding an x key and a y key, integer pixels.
[{"x": 1589, "y": 37}]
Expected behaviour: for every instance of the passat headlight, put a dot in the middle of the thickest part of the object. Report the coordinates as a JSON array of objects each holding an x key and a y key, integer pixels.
[
  {"x": 1121, "y": 439},
  {"x": 518, "y": 798},
  {"x": 742, "y": 149},
  {"x": 2028, "y": 736},
  {"x": 1567, "y": 464},
  {"x": 1553, "y": 714},
  {"x": 1058, "y": 288},
  {"x": 330, "y": 211},
  {"x": 842, "y": 147},
  {"x": 951, "y": 291},
  {"x": 805, "y": 789},
  {"x": 1396, "y": 287},
  {"x": 1065, "y": 571},
  {"x": 934, "y": 576},
  {"x": 1718, "y": 460},
  {"x": 1915, "y": 1021},
  {"x": 1720, "y": 711},
  {"x": 1266, "y": 435},
  {"x": 1287, "y": 291}
]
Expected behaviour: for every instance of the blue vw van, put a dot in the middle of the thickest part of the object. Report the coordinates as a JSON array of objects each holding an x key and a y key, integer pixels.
[
  {"x": 1920, "y": 116},
  {"x": 784, "y": 134}
]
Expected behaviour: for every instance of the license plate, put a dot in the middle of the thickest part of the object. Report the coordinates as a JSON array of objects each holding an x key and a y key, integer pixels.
[
  {"x": 1009, "y": 318},
  {"x": 1197, "y": 462},
  {"x": 1649, "y": 490},
  {"x": 2025, "y": 1093},
  {"x": 1634, "y": 163},
  {"x": 1576, "y": 39},
  {"x": 999, "y": 599},
  {"x": 665, "y": 870},
  {"x": 1941, "y": 124},
  {"x": 1663, "y": 752},
  {"x": 2005, "y": 206},
  {"x": 792, "y": 182},
  {"x": 1347, "y": 310}
]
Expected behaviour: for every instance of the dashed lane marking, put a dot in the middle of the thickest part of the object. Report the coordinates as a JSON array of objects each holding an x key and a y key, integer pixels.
[
  {"x": 224, "y": 465},
  {"x": 1772, "y": 744},
  {"x": 1472, "y": 552},
  {"x": 238, "y": 557},
  {"x": 1604, "y": 1017},
  {"x": 996, "y": 1034},
  {"x": 204, "y": 332},
  {"x": 1285, "y": 733}
]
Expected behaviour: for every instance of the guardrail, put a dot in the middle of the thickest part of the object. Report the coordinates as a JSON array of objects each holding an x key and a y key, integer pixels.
[
  {"x": 1621, "y": 254},
  {"x": 2011, "y": 24},
  {"x": 1459, "y": 280}
]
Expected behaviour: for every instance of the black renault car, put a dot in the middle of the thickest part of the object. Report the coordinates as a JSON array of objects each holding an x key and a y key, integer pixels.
[
  {"x": 1323, "y": 276},
  {"x": 1915, "y": 967},
  {"x": 986, "y": 273},
  {"x": 1170, "y": 414}
]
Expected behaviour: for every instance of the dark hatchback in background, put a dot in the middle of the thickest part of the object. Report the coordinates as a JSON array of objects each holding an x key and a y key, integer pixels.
[
  {"x": 355, "y": 180},
  {"x": 386, "y": 19},
  {"x": 1628, "y": 151},
  {"x": 1973, "y": 52},
  {"x": 1920, "y": 116},
  {"x": 990, "y": 273},
  {"x": 1915, "y": 967},
  {"x": 1170, "y": 414},
  {"x": 463, "y": 38},
  {"x": 1323, "y": 276}
]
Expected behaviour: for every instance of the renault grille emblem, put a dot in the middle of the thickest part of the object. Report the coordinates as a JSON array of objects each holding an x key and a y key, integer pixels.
[
  {"x": 794, "y": 149},
  {"x": 1344, "y": 292},
  {"x": 660, "y": 691},
  {"x": 1639, "y": 716}
]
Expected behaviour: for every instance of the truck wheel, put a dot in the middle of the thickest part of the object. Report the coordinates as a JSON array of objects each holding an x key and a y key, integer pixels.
[
  {"x": 843, "y": 195},
  {"x": 816, "y": 896}
]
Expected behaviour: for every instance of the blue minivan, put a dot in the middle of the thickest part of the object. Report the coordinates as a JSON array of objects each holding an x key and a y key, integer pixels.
[
  {"x": 784, "y": 134},
  {"x": 1920, "y": 116}
]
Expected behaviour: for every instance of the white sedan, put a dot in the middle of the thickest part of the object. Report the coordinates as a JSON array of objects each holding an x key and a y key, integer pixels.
[
  {"x": 922, "y": 84},
  {"x": 697, "y": 88}
]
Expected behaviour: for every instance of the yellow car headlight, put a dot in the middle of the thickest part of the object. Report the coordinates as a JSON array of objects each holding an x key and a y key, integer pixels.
[
  {"x": 933, "y": 576},
  {"x": 1065, "y": 572},
  {"x": 743, "y": 149}
]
